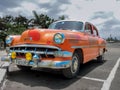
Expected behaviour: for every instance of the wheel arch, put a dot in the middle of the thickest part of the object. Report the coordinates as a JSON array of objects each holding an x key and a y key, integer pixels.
[
  {"x": 79, "y": 50},
  {"x": 104, "y": 50}
]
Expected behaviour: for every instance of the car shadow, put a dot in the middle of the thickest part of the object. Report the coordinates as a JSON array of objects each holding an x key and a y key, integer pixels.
[
  {"x": 50, "y": 79},
  {"x": 88, "y": 67}
]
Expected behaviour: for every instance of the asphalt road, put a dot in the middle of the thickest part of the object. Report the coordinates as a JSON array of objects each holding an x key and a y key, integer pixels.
[{"x": 93, "y": 76}]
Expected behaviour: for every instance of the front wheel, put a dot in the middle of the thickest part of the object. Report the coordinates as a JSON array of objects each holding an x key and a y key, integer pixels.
[{"x": 73, "y": 70}]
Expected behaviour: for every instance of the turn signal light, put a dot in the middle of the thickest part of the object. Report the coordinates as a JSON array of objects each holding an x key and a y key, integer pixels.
[
  {"x": 13, "y": 55},
  {"x": 28, "y": 56}
]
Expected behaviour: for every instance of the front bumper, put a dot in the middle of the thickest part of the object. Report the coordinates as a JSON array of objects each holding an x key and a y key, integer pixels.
[
  {"x": 40, "y": 64},
  {"x": 42, "y": 56}
]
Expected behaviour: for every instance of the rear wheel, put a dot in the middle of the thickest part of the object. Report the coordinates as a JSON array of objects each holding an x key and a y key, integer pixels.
[
  {"x": 73, "y": 70},
  {"x": 24, "y": 68},
  {"x": 100, "y": 58}
]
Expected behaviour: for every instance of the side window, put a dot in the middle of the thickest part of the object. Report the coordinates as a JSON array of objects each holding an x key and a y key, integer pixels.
[
  {"x": 88, "y": 29},
  {"x": 95, "y": 32}
]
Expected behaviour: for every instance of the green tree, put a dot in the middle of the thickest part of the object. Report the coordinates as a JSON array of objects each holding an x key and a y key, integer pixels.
[
  {"x": 2, "y": 36},
  {"x": 115, "y": 39},
  {"x": 42, "y": 20},
  {"x": 61, "y": 17},
  {"x": 21, "y": 21},
  {"x": 2, "y": 25},
  {"x": 16, "y": 25}
]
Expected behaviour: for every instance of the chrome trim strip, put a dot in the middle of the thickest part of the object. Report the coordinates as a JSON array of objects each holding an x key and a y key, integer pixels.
[
  {"x": 67, "y": 54},
  {"x": 34, "y": 45},
  {"x": 36, "y": 52},
  {"x": 48, "y": 64},
  {"x": 87, "y": 46},
  {"x": 80, "y": 46},
  {"x": 63, "y": 53}
]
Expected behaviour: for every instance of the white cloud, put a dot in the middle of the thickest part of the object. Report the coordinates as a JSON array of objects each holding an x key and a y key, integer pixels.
[
  {"x": 1, "y": 14},
  {"x": 17, "y": 9},
  {"x": 98, "y": 21},
  {"x": 25, "y": 9},
  {"x": 43, "y": 1},
  {"x": 117, "y": 15},
  {"x": 63, "y": 7},
  {"x": 116, "y": 26},
  {"x": 85, "y": 9},
  {"x": 28, "y": 7},
  {"x": 99, "y": 12}
]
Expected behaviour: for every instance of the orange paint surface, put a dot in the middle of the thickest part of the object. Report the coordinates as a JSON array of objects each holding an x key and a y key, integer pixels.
[{"x": 89, "y": 44}]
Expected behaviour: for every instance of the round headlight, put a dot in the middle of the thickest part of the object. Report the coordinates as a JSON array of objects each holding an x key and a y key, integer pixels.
[
  {"x": 9, "y": 39},
  {"x": 59, "y": 38}
]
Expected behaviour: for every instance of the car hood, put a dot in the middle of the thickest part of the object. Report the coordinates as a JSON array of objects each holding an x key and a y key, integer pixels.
[{"x": 41, "y": 36}]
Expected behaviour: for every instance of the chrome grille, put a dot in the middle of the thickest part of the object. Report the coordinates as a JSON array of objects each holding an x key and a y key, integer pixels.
[{"x": 45, "y": 51}]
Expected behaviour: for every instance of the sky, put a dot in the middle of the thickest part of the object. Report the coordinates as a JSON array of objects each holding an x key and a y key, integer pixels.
[{"x": 104, "y": 14}]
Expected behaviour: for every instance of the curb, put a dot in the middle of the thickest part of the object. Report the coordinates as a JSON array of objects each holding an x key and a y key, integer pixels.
[
  {"x": 3, "y": 71},
  {"x": 2, "y": 76}
]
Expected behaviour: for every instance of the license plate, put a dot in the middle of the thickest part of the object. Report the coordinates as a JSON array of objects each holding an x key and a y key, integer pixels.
[{"x": 22, "y": 62}]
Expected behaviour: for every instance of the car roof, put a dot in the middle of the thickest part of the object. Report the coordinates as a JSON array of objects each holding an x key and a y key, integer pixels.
[{"x": 73, "y": 20}]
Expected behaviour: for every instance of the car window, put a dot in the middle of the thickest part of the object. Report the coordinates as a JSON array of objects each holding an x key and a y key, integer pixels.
[
  {"x": 67, "y": 25},
  {"x": 95, "y": 32},
  {"x": 88, "y": 28}
]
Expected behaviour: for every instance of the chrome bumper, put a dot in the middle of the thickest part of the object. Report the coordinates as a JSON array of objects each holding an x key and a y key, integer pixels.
[
  {"x": 40, "y": 50},
  {"x": 41, "y": 64}
]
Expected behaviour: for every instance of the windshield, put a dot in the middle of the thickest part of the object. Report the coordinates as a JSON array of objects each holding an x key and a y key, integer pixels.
[{"x": 67, "y": 25}]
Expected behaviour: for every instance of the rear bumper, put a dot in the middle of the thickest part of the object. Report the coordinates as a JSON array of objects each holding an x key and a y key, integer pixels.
[{"x": 41, "y": 64}]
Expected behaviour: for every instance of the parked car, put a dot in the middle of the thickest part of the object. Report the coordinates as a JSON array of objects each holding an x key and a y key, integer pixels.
[{"x": 65, "y": 45}]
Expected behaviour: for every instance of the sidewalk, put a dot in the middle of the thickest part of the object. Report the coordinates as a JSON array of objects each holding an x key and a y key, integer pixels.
[
  {"x": 3, "y": 68},
  {"x": 2, "y": 73}
]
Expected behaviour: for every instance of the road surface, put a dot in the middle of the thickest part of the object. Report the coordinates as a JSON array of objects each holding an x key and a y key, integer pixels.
[{"x": 93, "y": 76}]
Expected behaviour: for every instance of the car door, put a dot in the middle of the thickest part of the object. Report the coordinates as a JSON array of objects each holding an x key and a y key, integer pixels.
[
  {"x": 96, "y": 37},
  {"x": 92, "y": 49}
]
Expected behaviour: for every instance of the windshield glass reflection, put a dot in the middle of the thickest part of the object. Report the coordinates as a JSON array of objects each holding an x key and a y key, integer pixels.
[{"x": 67, "y": 25}]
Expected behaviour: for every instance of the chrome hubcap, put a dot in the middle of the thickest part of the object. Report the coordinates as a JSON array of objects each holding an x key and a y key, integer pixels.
[{"x": 74, "y": 65}]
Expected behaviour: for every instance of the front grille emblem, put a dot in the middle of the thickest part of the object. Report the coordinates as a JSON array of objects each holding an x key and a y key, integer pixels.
[{"x": 28, "y": 38}]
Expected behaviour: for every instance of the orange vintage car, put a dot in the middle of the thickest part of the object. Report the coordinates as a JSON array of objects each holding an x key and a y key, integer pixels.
[{"x": 64, "y": 45}]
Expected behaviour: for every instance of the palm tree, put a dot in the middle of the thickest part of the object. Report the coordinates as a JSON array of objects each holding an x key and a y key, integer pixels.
[{"x": 42, "y": 20}]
